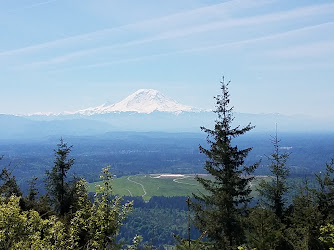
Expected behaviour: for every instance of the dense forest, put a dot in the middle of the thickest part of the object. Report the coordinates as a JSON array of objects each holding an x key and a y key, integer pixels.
[{"x": 66, "y": 216}]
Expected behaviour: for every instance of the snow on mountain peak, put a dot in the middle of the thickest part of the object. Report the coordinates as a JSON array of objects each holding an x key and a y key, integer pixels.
[{"x": 141, "y": 101}]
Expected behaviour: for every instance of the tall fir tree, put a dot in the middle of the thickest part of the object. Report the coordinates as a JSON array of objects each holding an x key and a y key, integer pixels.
[
  {"x": 8, "y": 184},
  {"x": 265, "y": 231},
  {"x": 273, "y": 192},
  {"x": 59, "y": 188},
  {"x": 304, "y": 222},
  {"x": 33, "y": 191},
  {"x": 325, "y": 193},
  {"x": 220, "y": 211}
]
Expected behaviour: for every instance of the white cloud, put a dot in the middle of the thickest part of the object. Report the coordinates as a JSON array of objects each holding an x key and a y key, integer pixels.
[
  {"x": 279, "y": 35},
  {"x": 32, "y": 6},
  {"x": 229, "y": 45},
  {"x": 178, "y": 19},
  {"x": 180, "y": 25},
  {"x": 306, "y": 50}
]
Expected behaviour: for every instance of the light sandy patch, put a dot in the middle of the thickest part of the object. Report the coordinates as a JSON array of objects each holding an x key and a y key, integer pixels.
[{"x": 168, "y": 176}]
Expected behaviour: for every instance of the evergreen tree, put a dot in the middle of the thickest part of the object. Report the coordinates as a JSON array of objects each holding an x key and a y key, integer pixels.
[
  {"x": 30, "y": 201},
  {"x": 8, "y": 184},
  {"x": 273, "y": 191},
  {"x": 59, "y": 188},
  {"x": 304, "y": 222},
  {"x": 220, "y": 212},
  {"x": 325, "y": 193},
  {"x": 265, "y": 230},
  {"x": 33, "y": 191},
  {"x": 185, "y": 244}
]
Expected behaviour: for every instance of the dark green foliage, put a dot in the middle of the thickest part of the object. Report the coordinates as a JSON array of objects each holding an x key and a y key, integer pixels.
[
  {"x": 58, "y": 187},
  {"x": 157, "y": 221},
  {"x": 304, "y": 222},
  {"x": 325, "y": 193},
  {"x": 34, "y": 202},
  {"x": 265, "y": 230},
  {"x": 273, "y": 192},
  {"x": 220, "y": 212},
  {"x": 33, "y": 191},
  {"x": 189, "y": 243},
  {"x": 8, "y": 185},
  {"x": 156, "y": 225},
  {"x": 198, "y": 244}
]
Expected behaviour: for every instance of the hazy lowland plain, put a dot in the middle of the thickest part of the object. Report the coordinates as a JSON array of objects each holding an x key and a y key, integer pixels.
[{"x": 131, "y": 153}]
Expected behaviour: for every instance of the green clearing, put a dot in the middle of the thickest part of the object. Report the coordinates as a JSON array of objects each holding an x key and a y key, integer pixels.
[{"x": 137, "y": 185}]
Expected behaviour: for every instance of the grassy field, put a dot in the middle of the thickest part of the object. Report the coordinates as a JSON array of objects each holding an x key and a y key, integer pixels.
[{"x": 150, "y": 185}]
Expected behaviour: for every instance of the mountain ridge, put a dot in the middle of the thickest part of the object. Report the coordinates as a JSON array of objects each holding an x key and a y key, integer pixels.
[{"x": 144, "y": 110}]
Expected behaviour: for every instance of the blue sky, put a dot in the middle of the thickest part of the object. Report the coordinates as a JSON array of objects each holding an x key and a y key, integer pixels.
[{"x": 61, "y": 55}]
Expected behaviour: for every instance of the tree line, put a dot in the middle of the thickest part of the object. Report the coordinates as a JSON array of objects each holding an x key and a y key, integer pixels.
[{"x": 67, "y": 217}]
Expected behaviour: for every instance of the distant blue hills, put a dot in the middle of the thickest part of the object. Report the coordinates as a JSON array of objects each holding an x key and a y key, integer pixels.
[{"x": 37, "y": 126}]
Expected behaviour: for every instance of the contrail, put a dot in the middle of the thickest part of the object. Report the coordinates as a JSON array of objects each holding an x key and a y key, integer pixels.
[{"x": 32, "y": 6}]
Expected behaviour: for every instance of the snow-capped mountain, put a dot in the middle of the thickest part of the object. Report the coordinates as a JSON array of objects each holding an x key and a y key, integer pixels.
[
  {"x": 141, "y": 101},
  {"x": 144, "y": 110}
]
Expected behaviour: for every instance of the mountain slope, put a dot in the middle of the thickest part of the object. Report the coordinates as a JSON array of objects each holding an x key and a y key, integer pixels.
[{"x": 142, "y": 101}]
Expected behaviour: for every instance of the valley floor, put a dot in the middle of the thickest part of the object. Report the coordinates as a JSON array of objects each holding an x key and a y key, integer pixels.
[{"x": 168, "y": 185}]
